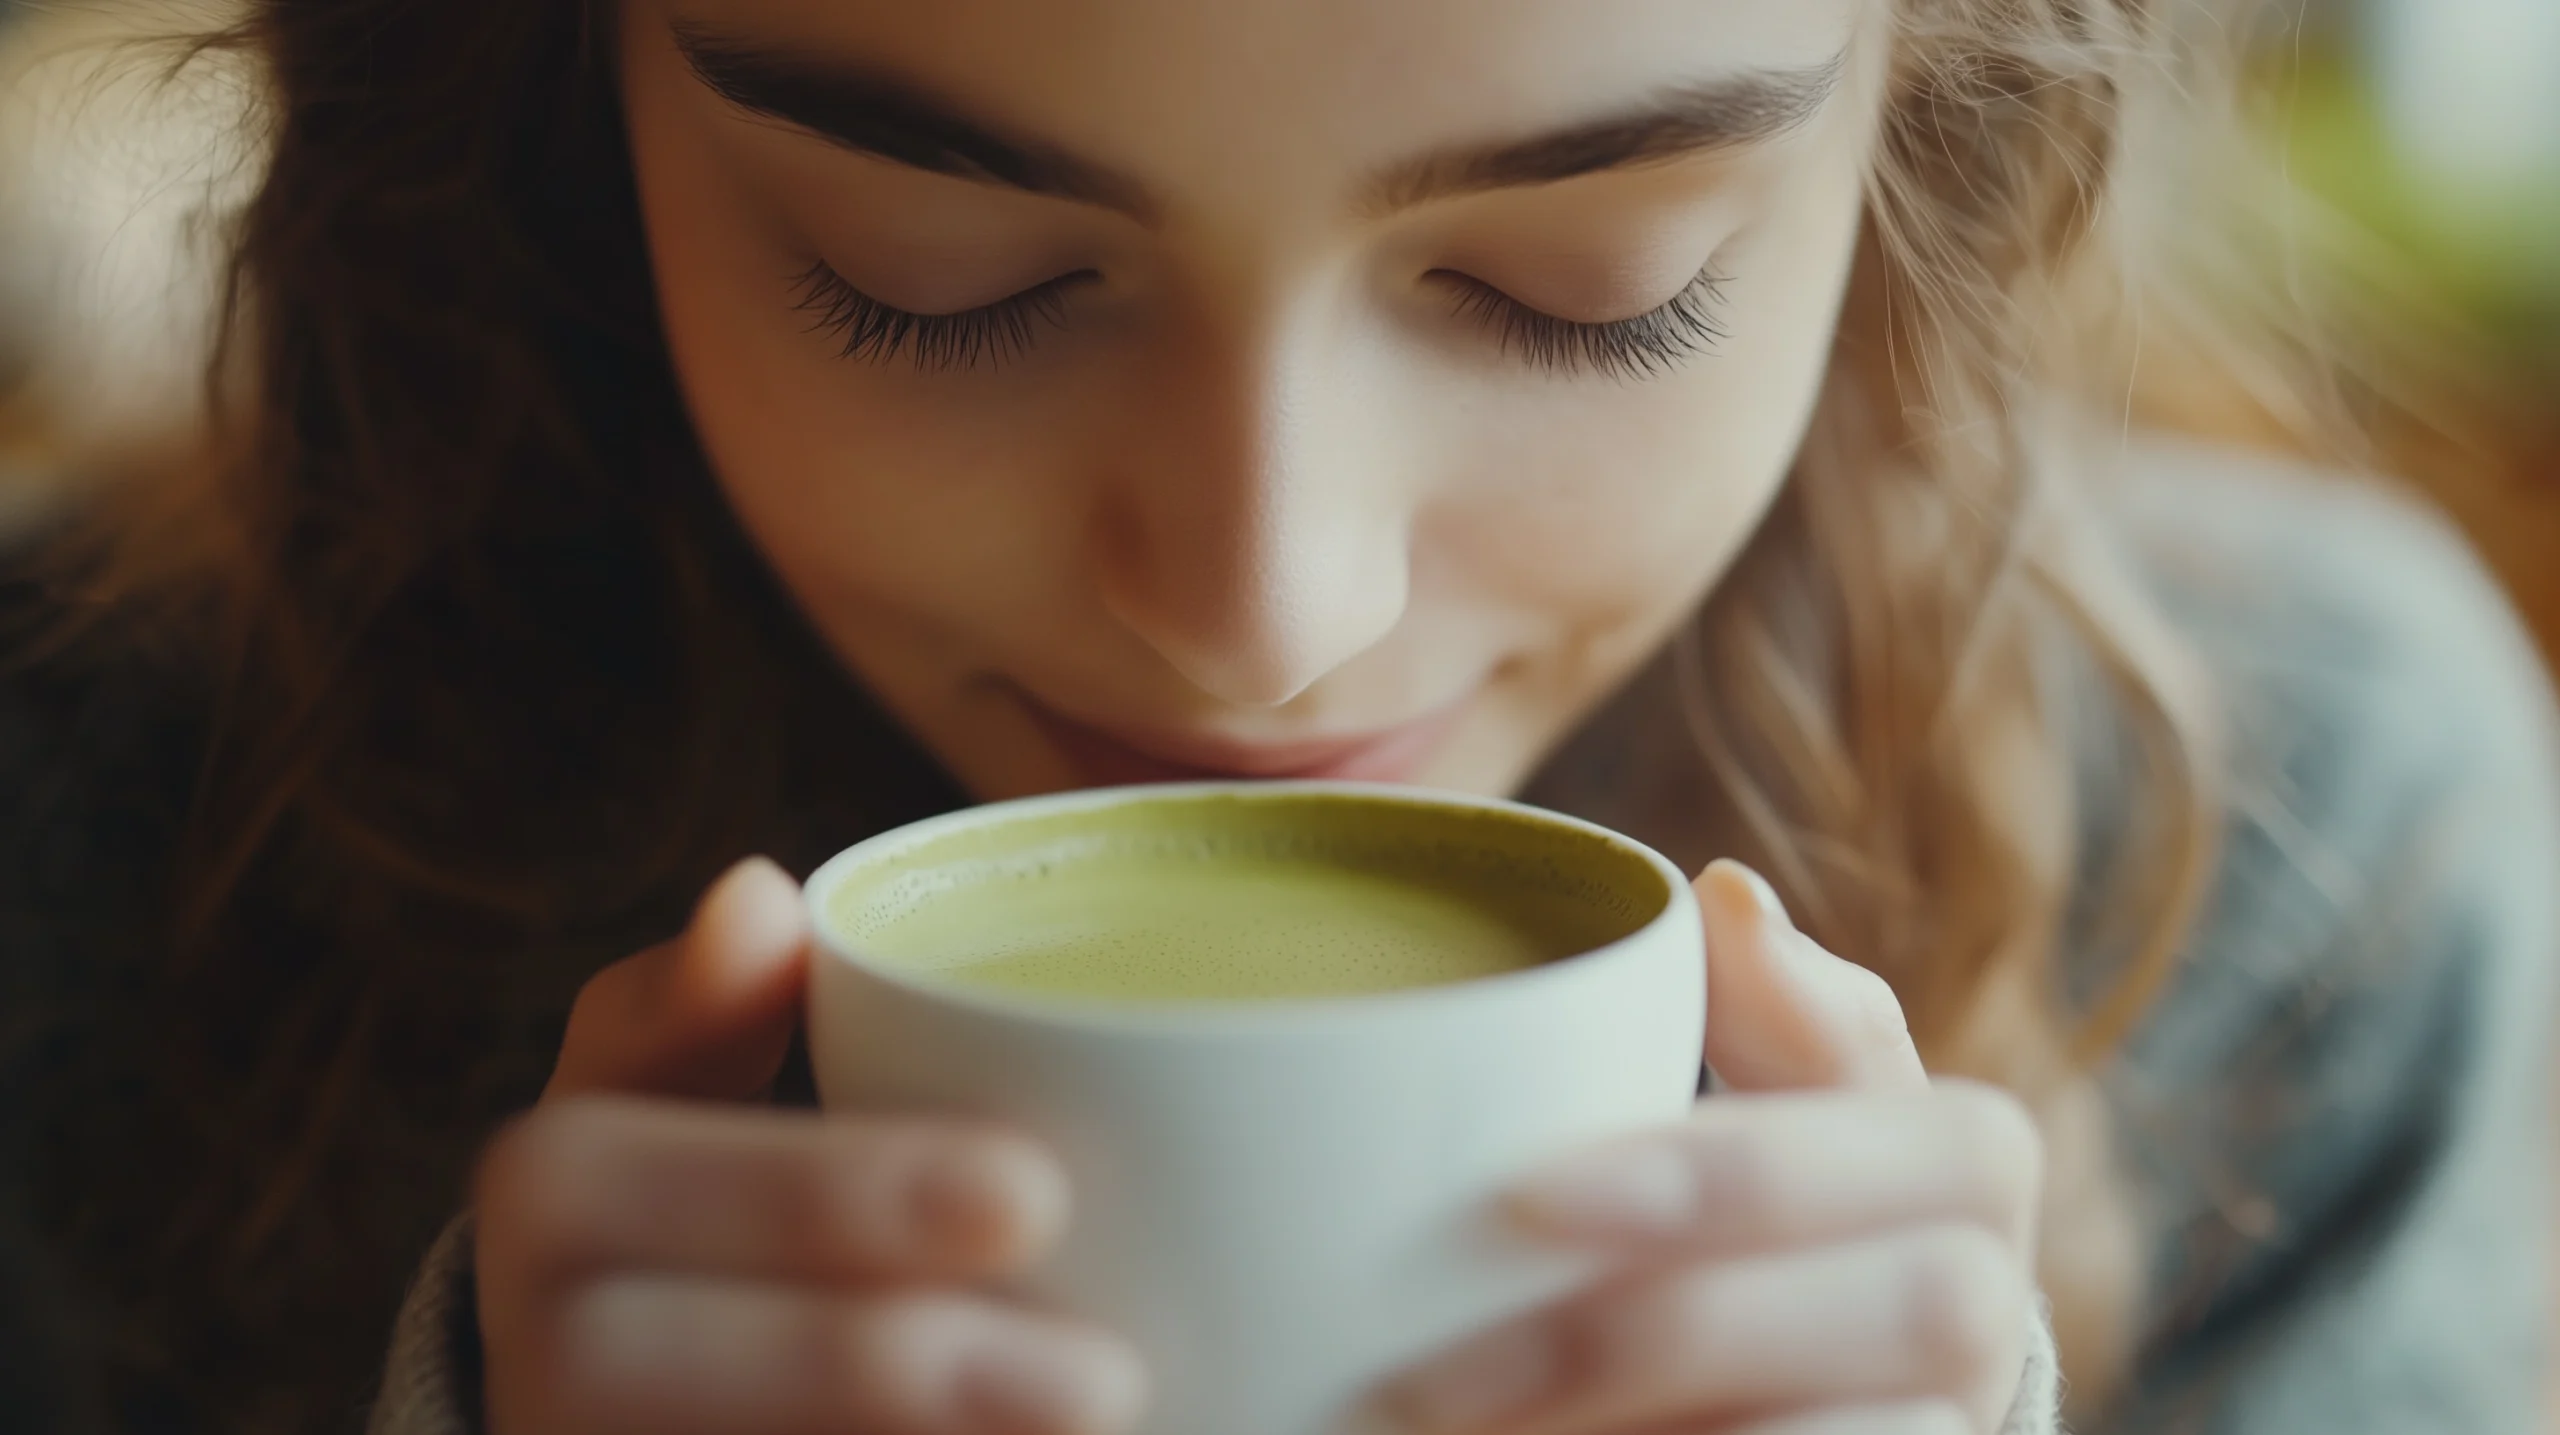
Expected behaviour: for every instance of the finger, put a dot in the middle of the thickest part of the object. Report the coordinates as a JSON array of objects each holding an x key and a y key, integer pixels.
[
  {"x": 709, "y": 1014},
  {"x": 1750, "y": 1174},
  {"x": 602, "y": 1182},
  {"x": 1937, "y": 1313},
  {"x": 1781, "y": 1012},
  {"x": 1917, "y": 1417},
  {"x": 649, "y": 1354}
]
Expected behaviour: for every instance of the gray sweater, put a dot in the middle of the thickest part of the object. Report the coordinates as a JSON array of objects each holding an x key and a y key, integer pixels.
[{"x": 2340, "y": 1118}]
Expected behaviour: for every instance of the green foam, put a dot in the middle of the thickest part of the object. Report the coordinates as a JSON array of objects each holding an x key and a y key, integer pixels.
[{"x": 1244, "y": 898}]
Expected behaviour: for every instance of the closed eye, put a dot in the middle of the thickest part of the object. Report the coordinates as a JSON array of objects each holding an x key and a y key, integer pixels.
[
  {"x": 986, "y": 336},
  {"x": 1647, "y": 346}
]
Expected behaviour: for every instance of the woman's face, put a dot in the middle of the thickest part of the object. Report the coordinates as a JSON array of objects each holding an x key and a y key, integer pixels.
[{"x": 1132, "y": 389}]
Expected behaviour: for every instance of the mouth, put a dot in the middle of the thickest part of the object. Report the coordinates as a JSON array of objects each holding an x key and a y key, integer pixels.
[{"x": 1117, "y": 756}]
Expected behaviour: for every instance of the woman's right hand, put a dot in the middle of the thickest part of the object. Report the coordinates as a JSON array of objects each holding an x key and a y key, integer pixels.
[{"x": 649, "y": 1260}]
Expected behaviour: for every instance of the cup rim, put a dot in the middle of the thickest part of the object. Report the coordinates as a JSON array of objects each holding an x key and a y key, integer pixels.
[{"x": 1214, "y": 1016}]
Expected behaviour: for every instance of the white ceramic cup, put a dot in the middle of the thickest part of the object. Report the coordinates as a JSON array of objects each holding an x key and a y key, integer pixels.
[{"x": 1283, "y": 1202}]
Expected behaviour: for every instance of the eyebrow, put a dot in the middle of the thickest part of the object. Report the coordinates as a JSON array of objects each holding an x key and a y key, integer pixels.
[
  {"x": 1730, "y": 112},
  {"x": 875, "y": 112}
]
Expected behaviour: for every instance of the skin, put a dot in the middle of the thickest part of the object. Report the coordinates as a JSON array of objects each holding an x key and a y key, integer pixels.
[
  {"x": 1267, "y": 477},
  {"x": 1264, "y": 484}
]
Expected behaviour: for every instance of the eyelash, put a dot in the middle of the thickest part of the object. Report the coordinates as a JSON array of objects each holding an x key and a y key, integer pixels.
[
  {"x": 1643, "y": 347},
  {"x": 870, "y": 330}
]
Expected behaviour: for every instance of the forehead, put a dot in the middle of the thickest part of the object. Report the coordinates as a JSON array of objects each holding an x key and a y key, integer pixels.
[{"x": 1269, "y": 93}]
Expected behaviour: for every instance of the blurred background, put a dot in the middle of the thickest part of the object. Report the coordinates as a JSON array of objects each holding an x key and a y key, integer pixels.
[{"x": 2430, "y": 130}]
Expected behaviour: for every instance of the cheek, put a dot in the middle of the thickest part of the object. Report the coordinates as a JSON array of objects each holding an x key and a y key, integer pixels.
[
  {"x": 1602, "y": 503},
  {"x": 866, "y": 486},
  {"x": 854, "y": 479}
]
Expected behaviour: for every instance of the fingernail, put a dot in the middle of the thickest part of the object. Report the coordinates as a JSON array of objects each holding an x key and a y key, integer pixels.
[
  {"x": 1487, "y": 1380},
  {"x": 1765, "y": 897},
  {"x": 991, "y": 1198},
  {"x": 1042, "y": 1382},
  {"x": 1645, "y": 1191},
  {"x": 748, "y": 869},
  {"x": 748, "y": 922}
]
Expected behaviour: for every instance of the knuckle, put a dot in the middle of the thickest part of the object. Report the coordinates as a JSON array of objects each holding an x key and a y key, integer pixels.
[
  {"x": 579, "y": 1329},
  {"x": 1666, "y": 1329},
  {"x": 883, "y": 1195},
  {"x": 1879, "y": 1006},
  {"x": 582, "y": 1371},
  {"x": 978, "y": 1193},
  {"x": 1739, "y": 1169},
  {"x": 886, "y": 1198},
  {"x": 1964, "y": 1304},
  {"x": 531, "y": 1174},
  {"x": 892, "y": 1360},
  {"x": 863, "y": 1186},
  {"x": 1996, "y": 1134},
  {"x": 830, "y": 1200},
  {"x": 830, "y": 1196},
  {"x": 502, "y": 1167}
]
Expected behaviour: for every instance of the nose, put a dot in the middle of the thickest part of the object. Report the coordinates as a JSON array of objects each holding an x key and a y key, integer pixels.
[{"x": 1254, "y": 528}]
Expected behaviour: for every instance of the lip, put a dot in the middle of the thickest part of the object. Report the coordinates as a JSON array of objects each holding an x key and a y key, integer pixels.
[{"x": 1117, "y": 757}]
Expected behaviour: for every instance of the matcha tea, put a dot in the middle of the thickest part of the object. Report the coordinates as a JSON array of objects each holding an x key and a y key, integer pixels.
[{"x": 1243, "y": 898}]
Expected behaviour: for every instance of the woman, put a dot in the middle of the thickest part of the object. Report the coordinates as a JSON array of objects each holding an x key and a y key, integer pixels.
[{"x": 683, "y": 429}]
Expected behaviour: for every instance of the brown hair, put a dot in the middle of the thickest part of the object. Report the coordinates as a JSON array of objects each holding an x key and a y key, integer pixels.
[
  {"x": 495, "y": 685},
  {"x": 492, "y": 689}
]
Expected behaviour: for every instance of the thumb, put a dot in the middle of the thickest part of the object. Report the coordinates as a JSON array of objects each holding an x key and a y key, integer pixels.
[
  {"x": 707, "y": 1015},
  {"x": 1782, "y": 1013}
]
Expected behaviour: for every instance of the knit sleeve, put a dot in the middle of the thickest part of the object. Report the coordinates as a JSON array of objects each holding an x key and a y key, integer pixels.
[
  {"x": 2339, "y": 1115},
  {"x": 431, "y": 1380},
  {"x": 2037, "y": 1410}
]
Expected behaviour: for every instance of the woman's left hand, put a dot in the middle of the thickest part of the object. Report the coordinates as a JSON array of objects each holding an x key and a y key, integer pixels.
[{"x": 1831, "y": 1245}]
